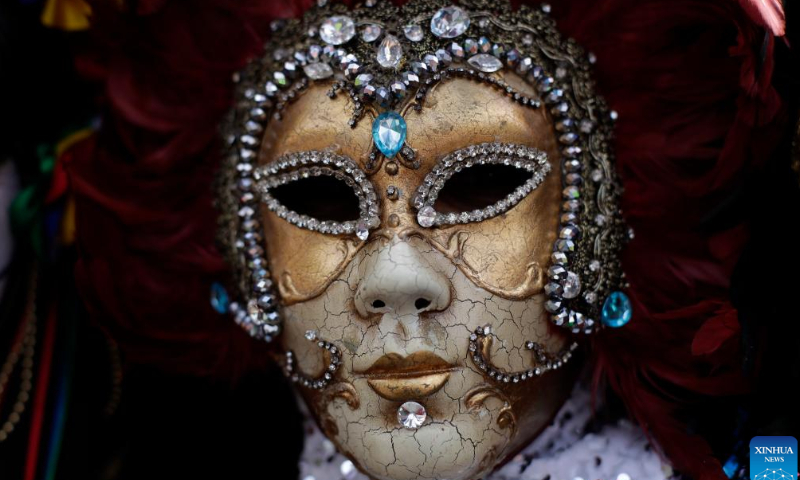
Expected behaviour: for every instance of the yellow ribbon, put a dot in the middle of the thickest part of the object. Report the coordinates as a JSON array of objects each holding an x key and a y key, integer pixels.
[{"x": 69, "y": 15}]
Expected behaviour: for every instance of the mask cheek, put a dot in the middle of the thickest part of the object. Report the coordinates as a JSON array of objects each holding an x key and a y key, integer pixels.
[{"x": 303, "y": 263}]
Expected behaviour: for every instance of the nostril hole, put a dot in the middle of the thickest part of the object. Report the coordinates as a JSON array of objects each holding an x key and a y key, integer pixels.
[
  {"x": 422, "y": 303},
  {"x": 378, "y": 304}
]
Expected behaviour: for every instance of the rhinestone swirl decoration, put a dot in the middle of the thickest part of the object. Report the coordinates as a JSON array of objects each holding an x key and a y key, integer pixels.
[
  {"x": 318, "y": 383},
  {"x": 543, "y": 361},
  {"x": 387, "y": 58}
]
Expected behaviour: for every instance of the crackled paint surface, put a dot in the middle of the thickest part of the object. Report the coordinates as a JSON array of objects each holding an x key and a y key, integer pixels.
[
  {"x": 489, "y": 273},
  {"x": 460, "y": 440}
]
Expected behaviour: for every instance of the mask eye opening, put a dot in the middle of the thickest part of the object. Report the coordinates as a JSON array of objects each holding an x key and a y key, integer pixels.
[
  {"x": 528, "y": 159},
  {"x": 315, "y": 165}
]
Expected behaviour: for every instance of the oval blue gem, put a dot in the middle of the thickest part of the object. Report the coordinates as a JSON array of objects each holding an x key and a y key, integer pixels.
[
  {"x": 219, "y": 298},
  {"x": 617, "y": 310},
  {"x": 389, "y": 133}
]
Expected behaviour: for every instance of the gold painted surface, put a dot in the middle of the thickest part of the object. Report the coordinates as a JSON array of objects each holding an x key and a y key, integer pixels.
[
  {"x": 506, "y": 254},
  {"x": 409, "y": 388}
]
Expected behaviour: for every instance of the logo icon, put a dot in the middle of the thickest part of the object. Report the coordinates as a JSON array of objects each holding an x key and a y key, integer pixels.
[{"x": 773, "y": 458}]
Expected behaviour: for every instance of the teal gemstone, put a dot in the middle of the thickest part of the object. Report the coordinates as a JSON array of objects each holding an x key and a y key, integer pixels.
[
  {"x": 389, "y": 133},
  {"x": 617, "y": 310},
  {"x": 219, "y": 298}
]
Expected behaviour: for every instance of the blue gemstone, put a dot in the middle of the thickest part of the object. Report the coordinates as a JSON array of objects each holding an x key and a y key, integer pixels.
[
  {"x": 219, "y": 298},
  {"x": 617, "y": 310},
  {"x": 731, "y": 466},
  {"x": 389, "y": 133}
]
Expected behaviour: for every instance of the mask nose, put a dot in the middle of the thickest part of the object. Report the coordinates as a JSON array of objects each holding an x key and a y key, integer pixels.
[{"x": 398, "y": 280}]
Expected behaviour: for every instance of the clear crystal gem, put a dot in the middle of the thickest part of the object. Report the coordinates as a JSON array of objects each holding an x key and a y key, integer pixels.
[
  {"x": 485, "y": 62},
  {"x": 390, "y": 52},
  {"x": 389, "y": 132},
  {"x": 426, "y": 216},
  {"x": 572, "y": 285},
  {"x": 362, "y": 231},
  {"x": 337, "y": 29},
  {"x": 450, "y": 22},
  {"x": 594, "y": 265},
  {"x": 413, "y": 32},
  {"x": 318, "y": 71},
  {"x": 371, "y": 32},
  {"x": 456, "y": 50},
  {"x": 411, "y": 415},
  {"x": 311, "y": 335}
]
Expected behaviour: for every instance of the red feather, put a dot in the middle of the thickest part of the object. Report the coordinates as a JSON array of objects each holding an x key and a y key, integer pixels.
[{"x": 768, "y": 13}]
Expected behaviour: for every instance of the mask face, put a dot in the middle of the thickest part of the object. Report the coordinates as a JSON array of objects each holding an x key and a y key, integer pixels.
[{"x": 401, "y": 308}]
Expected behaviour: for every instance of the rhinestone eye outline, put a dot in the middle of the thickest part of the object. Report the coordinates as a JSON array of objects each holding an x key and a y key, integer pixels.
[
  {"x": 292, "y": 167},
  {"x": 523, "y": 157}
]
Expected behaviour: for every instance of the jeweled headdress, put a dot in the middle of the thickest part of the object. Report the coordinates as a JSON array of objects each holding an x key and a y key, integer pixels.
[{"x": 386, "y": 59}]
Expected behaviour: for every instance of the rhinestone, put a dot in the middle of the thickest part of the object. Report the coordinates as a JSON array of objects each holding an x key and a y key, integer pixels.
[
  {"x": 413, "y": 32},
  {"x": 471, "y": 46},
  {"x": 600, "y": 220},
  {"x": 456, "y": 50},
  {"x": 570, "y": 231},
  {"x": 484, "y": 45},
  {"x": 389, "y": 132},
  {"x": 371, "y": 32},
  {"x": 568, "y": 138},
  {"x": 512, "y": 57},
  {"x": 524, "y": 65},
  {"x": 384, "y": 99},
  {"x": 318, "y": 71},
  {"x": 553, "y": 288},
  {"x": 486, "y": 63},
  {"x": 558, "y": 257},
  {"x": 390, "y": 52},
  {"x": 597, "y": 175},
  {"x": 411, "y": 415},
  {"x": 590, "y": 297},
  {"x": 444, "y": 58},
  {"x": 337, "y": 30},
  {"x": 431, "y": 62},
  {"x": 594, "y": 265},
  {"x": 398, "y": 88},
  {"x": 449, "y": 22},
  {"x": 426, "y": 216},
  {"x": 498, "y": 50},
  {"x": 553, "y": 305},
  {"x": 351, "y": 70},
  {"x": 565, "y": 245},
  {"x": 311, "y": 335},
  {"x": 314, "y": 53},
  {"x": 411, "y": 79},
  {"x": 271, "y": 89},
  {"x": 557, "y": 272},
  {"x": 420, "y": 69},
  {"x": 362, "y": 80},
  {"x": 617, "y": 310},
  {"x": 572, "y": 285},
  {"x": 362, "y": 232},
  {"x": 571, "y": 193}
]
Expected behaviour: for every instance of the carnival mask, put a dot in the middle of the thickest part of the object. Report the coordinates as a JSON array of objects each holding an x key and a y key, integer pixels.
[{"x": 421, "y": 210}]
